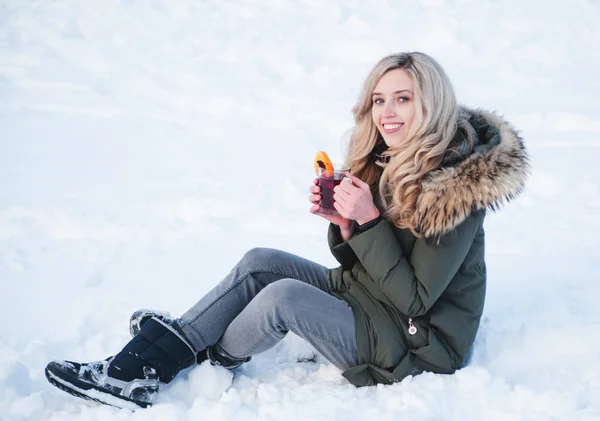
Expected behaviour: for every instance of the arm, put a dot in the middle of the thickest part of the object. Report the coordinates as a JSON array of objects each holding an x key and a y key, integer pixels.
[
  {"x": 414, "y": 283},
  {"x": 339, "y": 247}
]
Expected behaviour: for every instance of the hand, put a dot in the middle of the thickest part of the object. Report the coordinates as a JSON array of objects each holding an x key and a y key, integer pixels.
[
  {"x": 345, "y": 224},
  {"x": 354, "y": 200}
]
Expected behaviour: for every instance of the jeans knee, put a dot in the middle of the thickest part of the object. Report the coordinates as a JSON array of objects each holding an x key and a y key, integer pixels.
[
  {"x": 280, "y": 296},
  {"x": 257, "y": 258}
]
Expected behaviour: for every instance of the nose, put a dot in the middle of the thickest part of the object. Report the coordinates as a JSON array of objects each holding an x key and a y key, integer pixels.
[{"x": 388, "y": 109}]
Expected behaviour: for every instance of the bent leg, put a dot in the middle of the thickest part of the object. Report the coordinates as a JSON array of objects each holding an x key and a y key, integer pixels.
[
  {"x": 323, "y": 320},
  {"x": 206, "y": 321}
]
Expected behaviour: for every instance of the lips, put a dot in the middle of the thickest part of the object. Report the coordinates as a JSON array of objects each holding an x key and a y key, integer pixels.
[{"x": 389, "y": 128}]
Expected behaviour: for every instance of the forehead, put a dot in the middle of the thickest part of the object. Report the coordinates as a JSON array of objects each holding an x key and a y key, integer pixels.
[{"x": 394, "y": 80}]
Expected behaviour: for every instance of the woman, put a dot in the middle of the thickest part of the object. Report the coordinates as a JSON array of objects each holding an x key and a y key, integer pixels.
[{"x": 409, "y": 292}]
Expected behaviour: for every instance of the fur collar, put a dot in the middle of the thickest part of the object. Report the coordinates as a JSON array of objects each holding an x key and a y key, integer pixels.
[{"x": 484, "y": 175}]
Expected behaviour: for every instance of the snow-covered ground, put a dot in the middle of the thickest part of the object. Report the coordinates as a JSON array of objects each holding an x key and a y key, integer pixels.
[{"x": 146, "y": 145}]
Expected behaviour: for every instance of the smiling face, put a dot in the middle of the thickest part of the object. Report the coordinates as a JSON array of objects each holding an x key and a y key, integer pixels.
[{"x": 393, "y": 108}]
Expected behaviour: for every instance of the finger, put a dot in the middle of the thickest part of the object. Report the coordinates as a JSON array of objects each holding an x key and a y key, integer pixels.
[
  {"x": 357, "y": 181},
  {"x": 345, "y": 189},
  {"x": 315, "y": 189},
  {"x": 316, "y": 210},
  {"x": 341, "y": 193},
  {"x": 340, "y": 208},
  {"x": 314, "y": 198},
  {"x": 339, "y": 198},
  {"x": 345, "y": 186},
  {"x": 316, "y": 181}
]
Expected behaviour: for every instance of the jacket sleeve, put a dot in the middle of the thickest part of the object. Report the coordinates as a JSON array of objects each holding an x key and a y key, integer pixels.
[
  {"x": 340, "y": 249},
  {"x": 414, "y": 283}
]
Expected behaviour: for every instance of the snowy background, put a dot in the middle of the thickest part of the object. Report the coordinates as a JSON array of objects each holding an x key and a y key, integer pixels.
[{"x": 146, "y": 145}]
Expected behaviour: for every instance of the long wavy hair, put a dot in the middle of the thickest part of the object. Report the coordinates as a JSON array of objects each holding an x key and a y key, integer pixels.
[{"x": 436, "y": 120}]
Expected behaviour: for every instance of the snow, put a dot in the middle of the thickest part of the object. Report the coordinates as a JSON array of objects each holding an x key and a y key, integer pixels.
[{"x": 145, "y": 146}]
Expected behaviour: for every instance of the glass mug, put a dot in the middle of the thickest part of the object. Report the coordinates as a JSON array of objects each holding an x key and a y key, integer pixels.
[{"x": 327, "y": 181}]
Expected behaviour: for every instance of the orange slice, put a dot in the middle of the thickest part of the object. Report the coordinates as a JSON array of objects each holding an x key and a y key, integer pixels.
[{"x": 323, "y": 161}]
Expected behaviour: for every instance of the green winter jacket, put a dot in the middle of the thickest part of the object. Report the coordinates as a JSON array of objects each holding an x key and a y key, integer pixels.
[{"x": 393, "y": 280}]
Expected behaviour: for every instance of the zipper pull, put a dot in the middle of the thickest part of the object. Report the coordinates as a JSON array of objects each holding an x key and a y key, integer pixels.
[{"x": 411, "y": 327}]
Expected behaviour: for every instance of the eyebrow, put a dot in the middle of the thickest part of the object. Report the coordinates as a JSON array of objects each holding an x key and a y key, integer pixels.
[{"x": 397, "y": 92}]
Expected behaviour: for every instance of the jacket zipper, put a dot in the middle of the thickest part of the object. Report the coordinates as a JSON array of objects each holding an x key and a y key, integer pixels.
[{"x": 412, "y": 329}]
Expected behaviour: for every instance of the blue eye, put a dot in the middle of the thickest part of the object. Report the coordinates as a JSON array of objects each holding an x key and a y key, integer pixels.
[
  {"x": 378, "y": 101},
  {"x": 403, "y": 99}
]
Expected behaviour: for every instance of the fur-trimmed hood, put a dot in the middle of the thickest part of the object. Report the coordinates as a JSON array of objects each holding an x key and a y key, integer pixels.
[{"x": 483, "y": 174}]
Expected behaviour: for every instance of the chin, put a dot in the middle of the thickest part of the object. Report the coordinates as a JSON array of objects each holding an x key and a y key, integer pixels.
[
  {"x": 395, "y": 141},
  {"x": 391, "y": 142}
]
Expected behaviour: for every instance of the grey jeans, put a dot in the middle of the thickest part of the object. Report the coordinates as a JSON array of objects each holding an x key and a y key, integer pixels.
[{"x": 266, "y": 295}]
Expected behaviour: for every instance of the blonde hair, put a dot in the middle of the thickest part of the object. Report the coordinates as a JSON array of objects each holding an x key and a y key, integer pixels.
[{"x": 436, "y": 120}]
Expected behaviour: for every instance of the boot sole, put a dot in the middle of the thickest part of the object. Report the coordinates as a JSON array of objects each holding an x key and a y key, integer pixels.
[{"x": 83, "y": 390}]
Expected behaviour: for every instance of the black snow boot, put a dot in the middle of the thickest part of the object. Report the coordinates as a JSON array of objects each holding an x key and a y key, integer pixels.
[
  {"x": 131, "y": 378},
  {"x": 218, "y": 356},
  {"x": 140, "y": 317},
  {"x": 91, "y": 381},
  {"x": 215, "y": 354}
]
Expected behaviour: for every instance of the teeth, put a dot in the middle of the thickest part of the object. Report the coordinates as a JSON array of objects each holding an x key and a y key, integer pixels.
[{"x": 391, "y": 126}]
